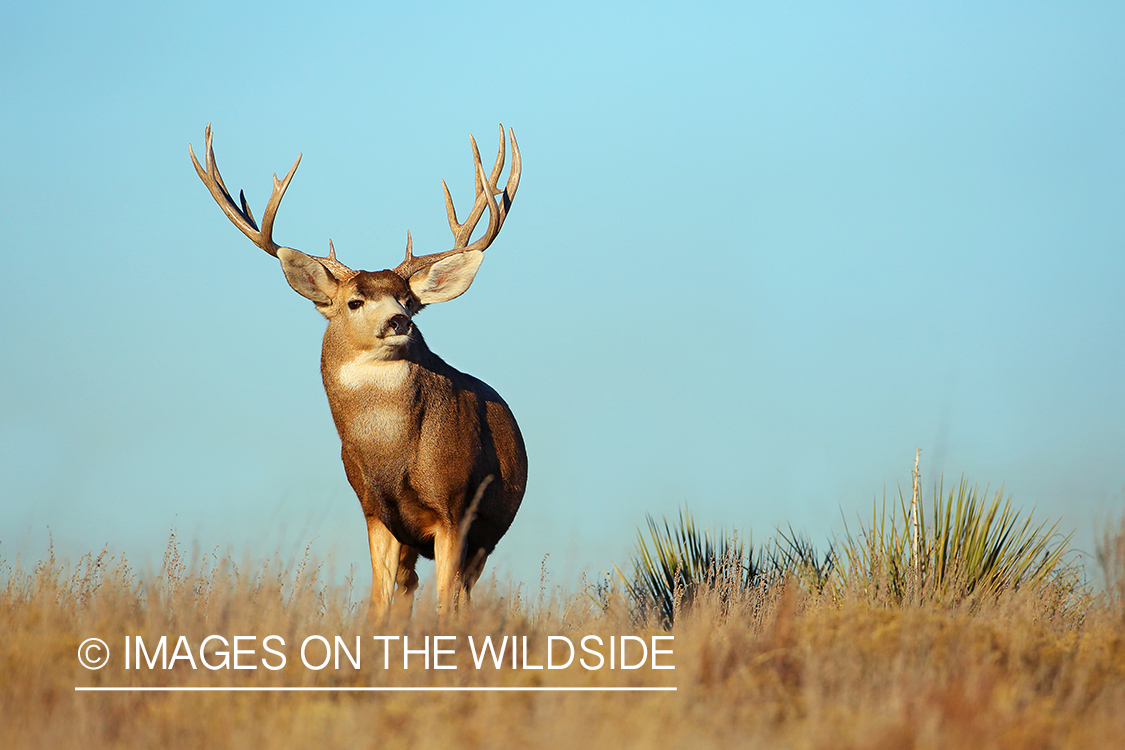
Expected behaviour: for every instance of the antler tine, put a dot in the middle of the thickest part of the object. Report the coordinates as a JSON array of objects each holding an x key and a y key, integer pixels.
[
  {"x": 241, "y": 216},
  {"x": 513, "y": 179},
  {"x": 496, "y": 213},
  {"x": 279, "y": 188},
  {"x": 462, "y": 232},
  {"x": 486, "y": 192}
]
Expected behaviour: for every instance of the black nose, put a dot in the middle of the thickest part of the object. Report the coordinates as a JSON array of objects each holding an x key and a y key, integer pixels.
[{"x": 399, "y": 325}]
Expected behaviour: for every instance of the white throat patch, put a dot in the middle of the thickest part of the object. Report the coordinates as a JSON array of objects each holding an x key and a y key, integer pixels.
[{"x": 367, "y": 372}]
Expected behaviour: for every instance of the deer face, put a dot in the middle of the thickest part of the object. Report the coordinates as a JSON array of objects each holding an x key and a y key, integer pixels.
[
  {"x": 376, "y": 313},
  {"x": 374, "y": 309}
]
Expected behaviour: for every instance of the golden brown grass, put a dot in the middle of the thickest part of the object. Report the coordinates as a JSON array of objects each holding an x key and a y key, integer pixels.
[{"x": 1043, "y": 666}]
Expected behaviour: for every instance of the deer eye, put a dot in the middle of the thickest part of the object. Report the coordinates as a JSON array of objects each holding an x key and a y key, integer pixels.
[{"x": 355, "y": 304}]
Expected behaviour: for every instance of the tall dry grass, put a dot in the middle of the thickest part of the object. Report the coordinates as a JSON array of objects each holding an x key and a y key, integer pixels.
[{"x": 785, "y": 665}]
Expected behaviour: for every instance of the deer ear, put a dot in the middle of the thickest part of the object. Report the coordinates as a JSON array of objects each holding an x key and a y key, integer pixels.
[
  {"x": 308, "y": 277},
  {"x": 446, "y": 279}
]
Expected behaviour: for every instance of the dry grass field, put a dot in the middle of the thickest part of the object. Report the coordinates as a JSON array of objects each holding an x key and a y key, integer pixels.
[{"x": 833, "y": 661}]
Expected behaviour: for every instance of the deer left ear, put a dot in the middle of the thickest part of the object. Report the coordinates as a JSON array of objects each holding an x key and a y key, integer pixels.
[{"x": 446, "y": 279}]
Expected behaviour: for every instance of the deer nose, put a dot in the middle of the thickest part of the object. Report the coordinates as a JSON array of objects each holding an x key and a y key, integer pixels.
[{"x": 398, "y": 325}]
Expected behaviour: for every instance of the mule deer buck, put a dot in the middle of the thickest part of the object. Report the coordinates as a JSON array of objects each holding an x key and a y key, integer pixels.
[{"x": 434, "y": 455}]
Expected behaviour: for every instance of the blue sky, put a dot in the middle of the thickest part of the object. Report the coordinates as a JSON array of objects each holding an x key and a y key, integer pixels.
[{"x": 758, "y": 256}]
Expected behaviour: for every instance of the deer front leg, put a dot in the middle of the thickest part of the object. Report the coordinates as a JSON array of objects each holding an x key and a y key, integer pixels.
[
  {"x": 449, "y": 556},
  {"x": 385, "y": 550}
]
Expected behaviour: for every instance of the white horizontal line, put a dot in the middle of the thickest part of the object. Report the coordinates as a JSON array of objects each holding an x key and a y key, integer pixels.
[{"x": 232, "y": 689}]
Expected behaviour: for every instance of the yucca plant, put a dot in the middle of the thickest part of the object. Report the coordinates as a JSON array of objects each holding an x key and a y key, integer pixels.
[
  {"x": 878, "y": 558},
  {"x": 677, "y": 563},
  {"x": 979, "y": 545},
  {"x": 972, "y": 546},
  {"x": 795, "y": 553}
]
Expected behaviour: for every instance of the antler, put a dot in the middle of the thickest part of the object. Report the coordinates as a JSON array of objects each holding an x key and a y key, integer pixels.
[
  {"x": 485, "y": 198},
  {"x": 244, "y": 219}
]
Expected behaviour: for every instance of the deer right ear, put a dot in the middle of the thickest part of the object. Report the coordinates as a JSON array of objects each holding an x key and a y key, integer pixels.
[{"x": 308, "y": 277}]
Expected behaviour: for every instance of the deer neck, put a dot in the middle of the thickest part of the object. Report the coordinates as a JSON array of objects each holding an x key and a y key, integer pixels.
[
  {"x": 349, "y": 370},
  {"x": 373, "y": 400}
]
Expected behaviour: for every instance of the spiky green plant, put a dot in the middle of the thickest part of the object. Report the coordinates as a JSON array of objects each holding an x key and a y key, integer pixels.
[
  {"x": 795, "y": 553},
  {"x": 677, "y": 563},
  {"x": 972, "y": 546},
  {"x": 877, "y": 558}
]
